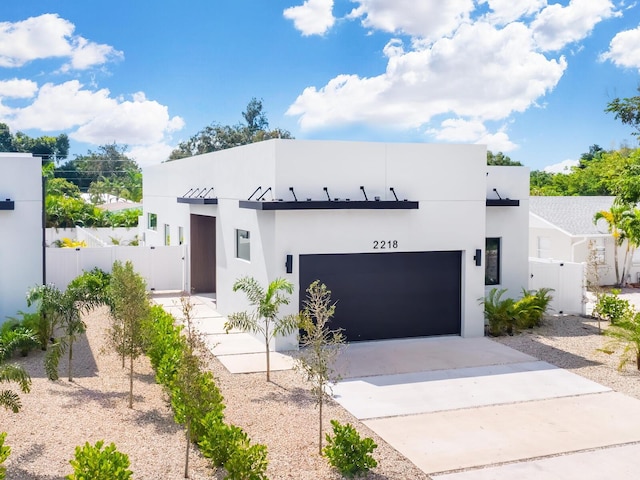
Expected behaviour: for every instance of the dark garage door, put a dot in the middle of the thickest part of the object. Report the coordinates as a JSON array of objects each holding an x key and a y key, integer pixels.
[{"x": 389, "y": 295}]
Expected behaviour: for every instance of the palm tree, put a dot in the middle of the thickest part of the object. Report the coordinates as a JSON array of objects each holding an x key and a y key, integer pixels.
[
  {"x": 615, "y": 219},
  {"x": 264, "y": 319},
  {"x": 9, "y": 399}
]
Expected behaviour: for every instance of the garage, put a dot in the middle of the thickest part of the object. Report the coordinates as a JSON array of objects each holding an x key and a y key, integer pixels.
[{"x": 389, "y": 295}]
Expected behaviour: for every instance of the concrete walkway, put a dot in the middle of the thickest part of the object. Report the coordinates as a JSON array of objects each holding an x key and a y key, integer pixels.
[{"x": 464, "y": 409}]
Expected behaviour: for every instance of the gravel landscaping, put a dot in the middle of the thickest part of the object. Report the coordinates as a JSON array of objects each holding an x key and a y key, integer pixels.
[{"x": 58, "y": 416}]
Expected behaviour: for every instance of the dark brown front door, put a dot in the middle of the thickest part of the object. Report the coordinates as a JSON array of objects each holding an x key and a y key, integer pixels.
[{"x": 203, "y": 254}]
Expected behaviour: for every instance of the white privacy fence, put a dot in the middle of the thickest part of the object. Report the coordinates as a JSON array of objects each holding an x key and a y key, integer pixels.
[
  {"x": 163, "y": 267},
  {"x": 567, "y": 280}
]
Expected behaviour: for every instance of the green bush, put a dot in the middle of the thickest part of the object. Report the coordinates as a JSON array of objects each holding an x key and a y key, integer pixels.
[
  {"x": 247, "y": 463},
  {"x": 347, "y": 452},
  {"x": 5, "y": 451},
  {"x": 506, "y": 316},
  {"x": 219, "y": 441},
  {"x": 94, "y": 463},
  {"x": 611, "y": 307}
]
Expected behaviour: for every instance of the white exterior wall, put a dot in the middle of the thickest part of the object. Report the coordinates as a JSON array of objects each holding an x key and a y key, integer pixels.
[
  {"x": 21, "y": 248},
  {"x": 449, "y": 181},
  {"x": 510, "y": 224}
]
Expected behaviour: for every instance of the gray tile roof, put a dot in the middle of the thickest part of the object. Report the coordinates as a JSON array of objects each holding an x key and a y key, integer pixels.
[{"x": 572, "y": 214}]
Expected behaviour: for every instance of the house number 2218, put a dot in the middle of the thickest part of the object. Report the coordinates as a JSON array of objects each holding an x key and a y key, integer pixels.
[{"x": 384, "y": 244}]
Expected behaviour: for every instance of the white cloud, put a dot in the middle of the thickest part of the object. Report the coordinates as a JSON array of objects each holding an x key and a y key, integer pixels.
[
  {"x": 481, "y": 72},
  {"x": 423, "y": 19},
  {"x": 313, "y": 17},
  {"x": 94, "y": 116},
  {"x": 150, "y": 154},
  {"x": 17, "y": 88},
  {"x": 505, "y": 11},
  {"x": 624, "y": 49},
  {"x": 49, "y": 36},
  {"x": 556, "y": 26},
  {"x": 466, "y": 62},
  {"x": 562, "y": 167}
]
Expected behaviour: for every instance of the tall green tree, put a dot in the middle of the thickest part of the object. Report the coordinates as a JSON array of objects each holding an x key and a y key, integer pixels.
[
  {"x": 501, "y": 159},
  {"x": 219, "y": 137},
  {"x": 129, "y": 308},
  {"x": 264, "y": 320},
  {"x": 615, "y": 218},
  {"x": 627, "y": 110},
  {"x": 47, "y": 147}
]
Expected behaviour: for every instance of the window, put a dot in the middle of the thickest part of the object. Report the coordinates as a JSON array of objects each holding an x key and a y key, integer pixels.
[
  {"x": 167, "y": 234},
  {"x": 544, "y": 247},
  {"x": 492, "y": 263},
  {"x": 180, "y": 235},
  {"x": 243, "y": 250},
  {"x": 152, "y": 221},
  {"x": 600, "y": 251}
]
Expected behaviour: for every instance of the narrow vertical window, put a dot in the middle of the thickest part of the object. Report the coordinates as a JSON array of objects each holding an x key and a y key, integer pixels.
[
  {"x": 167, "y": 234},
  {"x": 243, "y": 245},
  {"x": 180, "y": 235},
  {"x": 152, "y": 221},
  {"x": 492, "y": 263}
]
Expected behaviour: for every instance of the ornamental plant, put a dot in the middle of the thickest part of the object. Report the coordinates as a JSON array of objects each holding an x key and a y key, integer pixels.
[
  {"x": 92, "y": 462},
  {"x": 5, "y": 451},
  {"x": 348, "y": 452}
]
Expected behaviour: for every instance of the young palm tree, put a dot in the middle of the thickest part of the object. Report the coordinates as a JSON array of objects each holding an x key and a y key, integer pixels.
[
  {"x": 9, "y": 399},
  {"x": 615, "y": 220},
  {"x": 264, "y": 318}
]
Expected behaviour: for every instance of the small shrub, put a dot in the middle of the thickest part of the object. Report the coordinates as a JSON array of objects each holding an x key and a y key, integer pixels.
[
  {"x": 611, "y": 307},
  {"x": 247, "y": 463},
  {"x": 5, "y": 451},
  {"x": 347, "y": 452},
  {"x": 94, "y": 463},
  {"x": 219, "y": 441}
]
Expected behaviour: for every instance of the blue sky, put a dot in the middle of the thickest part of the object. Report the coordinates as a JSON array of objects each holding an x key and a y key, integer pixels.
[{"x": 530, "y": 78}]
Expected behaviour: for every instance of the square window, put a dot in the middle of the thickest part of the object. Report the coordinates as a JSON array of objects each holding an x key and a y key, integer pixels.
[
  {"x": 152, "y": 221},
  {"x": 243, "y": 245},
  {"x": 492, "y": 263}
]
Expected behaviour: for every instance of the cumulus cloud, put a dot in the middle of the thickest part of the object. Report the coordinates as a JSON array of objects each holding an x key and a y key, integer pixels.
[
  {"x": 562, "y": 167},
  {"x": 480, "y": 72},
  {"x": 49, "y": 36},
  {"x": 557, "y": 25},
  {"x": 92, "y": 116},
  {"x": 17, "y": 88},
  {"x": 313, "y": 17},
  {"x": 465, "y": 62},
  {"x": 624, "y": 49},
  {"x": 422, "y": 19}
]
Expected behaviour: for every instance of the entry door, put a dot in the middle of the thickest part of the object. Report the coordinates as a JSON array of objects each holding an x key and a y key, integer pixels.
[
  {"x": 203, "y": 254},
  {"x": 389, "y": 295}
]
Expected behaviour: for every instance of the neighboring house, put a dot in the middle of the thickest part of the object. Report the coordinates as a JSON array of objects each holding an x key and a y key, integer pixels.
[
  {"x": 562, "y": 228},
  {"x": 21, "y": 256},
  {"x": 404, "y": 235}
]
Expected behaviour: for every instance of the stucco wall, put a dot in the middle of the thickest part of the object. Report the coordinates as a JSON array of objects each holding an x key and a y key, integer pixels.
[
  {"x": 21, "y": 248},
  {"x": 449, "y": 181}
]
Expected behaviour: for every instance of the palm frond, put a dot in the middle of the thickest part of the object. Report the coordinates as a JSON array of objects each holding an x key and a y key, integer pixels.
[
  {"x": 243, "y": 321},
  {"x": 10, "y": 400},
  {"x": 52, "y": 358},
  {"x": 15, "y": 373}
]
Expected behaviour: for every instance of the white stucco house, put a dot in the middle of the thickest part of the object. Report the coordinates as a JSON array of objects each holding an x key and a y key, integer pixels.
[
  {"x": 562, "y": 228},
  {"x": 404, "y": 235},
  {"x": 21, "y": 251}
]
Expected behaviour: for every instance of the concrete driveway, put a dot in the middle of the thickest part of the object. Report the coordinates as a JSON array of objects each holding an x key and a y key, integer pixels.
[{"x": 466, "y": 409}]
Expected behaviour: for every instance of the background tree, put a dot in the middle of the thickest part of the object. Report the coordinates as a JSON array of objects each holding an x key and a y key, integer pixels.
[
  {"x": 47, "y": 147},
  {"x": 263, "y": 320},
  {"x": 129, "y": 308},
  {"x": 501, "y": 159},
  {"x": 319, "y": 346},
  {"x": 627, "y": 110},
  {"x": 219, "y": 137}
]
